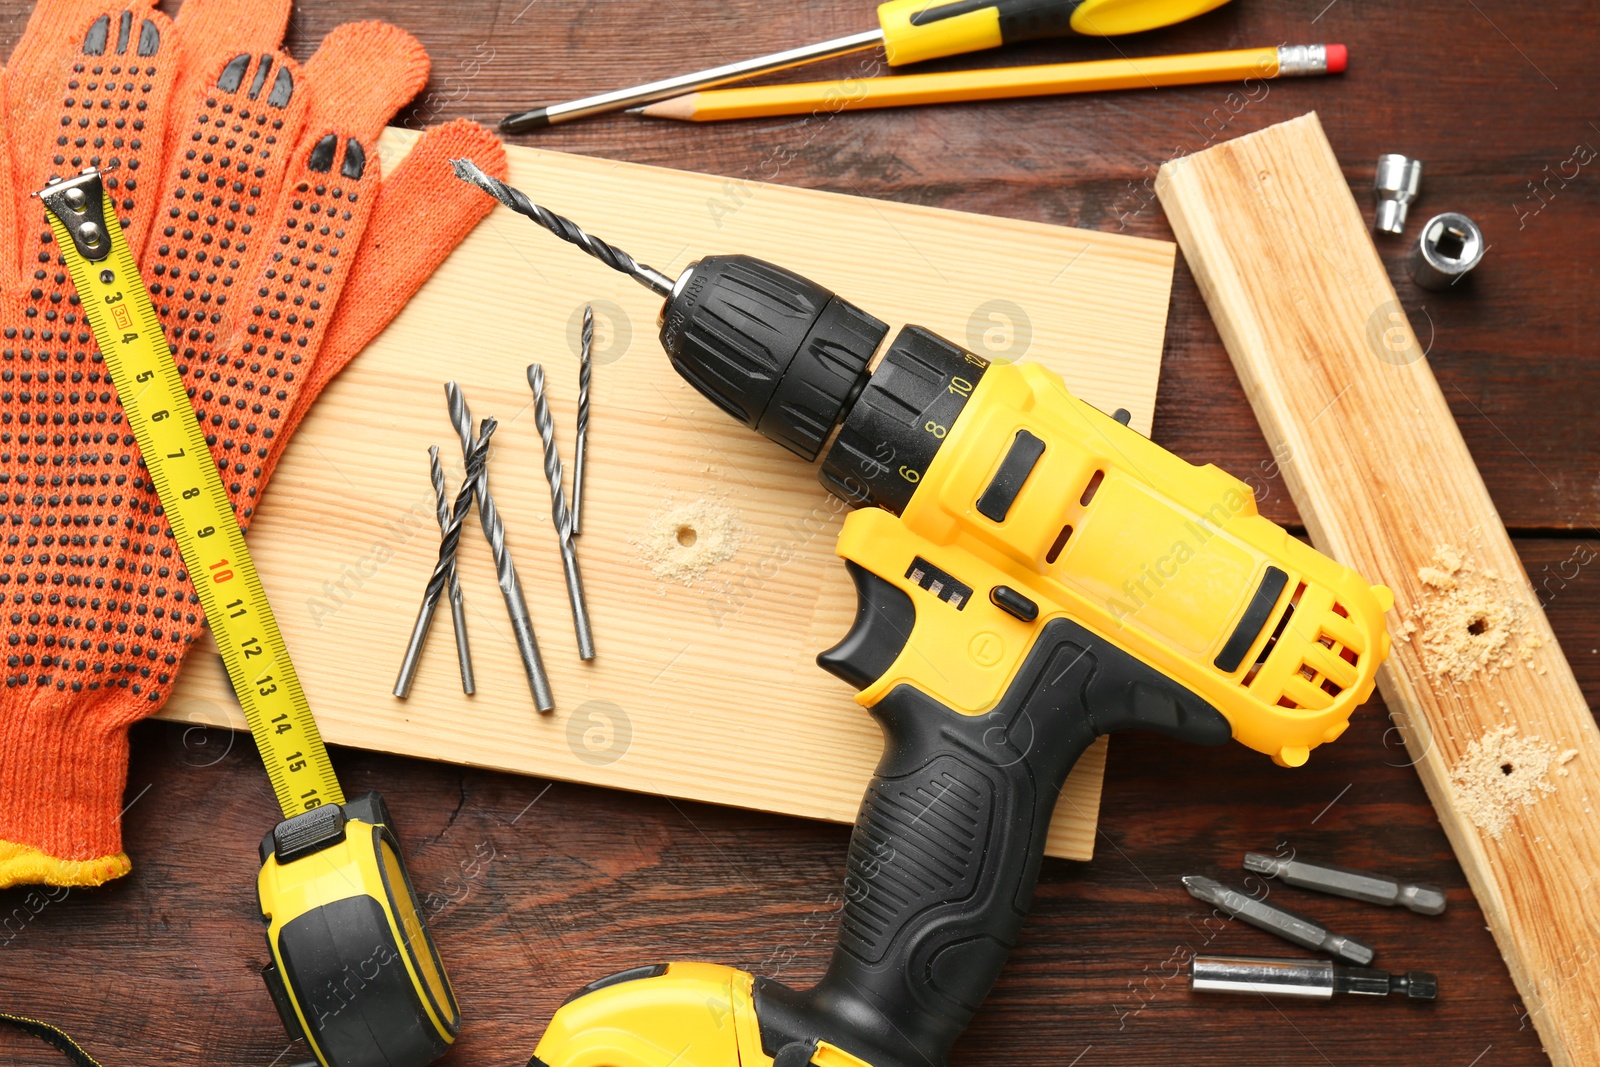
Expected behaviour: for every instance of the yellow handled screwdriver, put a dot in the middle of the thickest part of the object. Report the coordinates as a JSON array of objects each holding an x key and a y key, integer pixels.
[{"x": 909, "y": 31}]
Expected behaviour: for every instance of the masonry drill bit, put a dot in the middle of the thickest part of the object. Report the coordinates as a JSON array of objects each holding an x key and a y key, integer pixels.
[
  {"x": 1319, "y": 979},
  {"x": 449, "y": 539},
  {"x": 505, "y": 570},
  {"x": 1275, "y": 920},
  {"x": 564, "y": 228},
  {"x": 585, "y": 368},
  {"x": 458, "y": 608},
  {"x": 1343, "y": 882},
  {"x": 559, "y": 513}
]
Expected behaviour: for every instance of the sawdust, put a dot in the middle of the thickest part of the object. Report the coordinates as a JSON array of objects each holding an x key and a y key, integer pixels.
[
  {"x": 1501, "y": 774},
  {"x": 1471, "y": 620},
  {"x": 685, "y": 541}
]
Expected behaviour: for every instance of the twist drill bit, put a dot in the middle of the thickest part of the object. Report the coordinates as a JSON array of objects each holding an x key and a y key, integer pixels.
[
  {"x": 458, "y": 609},
  {"x": 585, "y": 368},
  {"x": 564, "y": 228},
  {"x": 494, "y": 531},
  {"x": 449, "y": 539},
  {"x": 1275, "y": 920},
  {"x": 1343, "y": 882},
  {"x": 559, "y": 513}
]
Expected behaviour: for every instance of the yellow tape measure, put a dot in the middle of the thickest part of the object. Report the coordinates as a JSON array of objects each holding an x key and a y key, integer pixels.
[
  {"x": 333, "y": 888},
  {"x": 117, "y": 305}
]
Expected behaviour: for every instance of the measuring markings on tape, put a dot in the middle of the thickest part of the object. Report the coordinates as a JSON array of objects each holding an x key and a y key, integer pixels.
[{"x": 117, "y": 304}]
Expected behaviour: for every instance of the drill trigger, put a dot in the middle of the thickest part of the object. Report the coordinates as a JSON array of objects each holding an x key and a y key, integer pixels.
[{"x": 884, "y": 618}]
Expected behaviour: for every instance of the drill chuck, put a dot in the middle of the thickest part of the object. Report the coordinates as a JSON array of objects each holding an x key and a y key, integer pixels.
[
  {"x": 789, "y": 359},
  {"x": 776, "y": 351}
]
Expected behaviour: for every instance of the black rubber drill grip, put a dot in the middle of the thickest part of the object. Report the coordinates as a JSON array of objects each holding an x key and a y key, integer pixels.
[{"x": 949, "y": 842}]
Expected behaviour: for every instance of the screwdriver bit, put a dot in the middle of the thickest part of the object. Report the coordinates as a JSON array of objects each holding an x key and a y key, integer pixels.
[
  {"x": 1275, "y": 920},
  {"x": 1343, "y": 882},
  {"x": 564, "y": 228},
  {"x": 1320, "y": 979}
]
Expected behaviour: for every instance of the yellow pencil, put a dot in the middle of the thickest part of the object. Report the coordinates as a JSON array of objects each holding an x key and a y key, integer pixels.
[{"x": 901, "y": 90}]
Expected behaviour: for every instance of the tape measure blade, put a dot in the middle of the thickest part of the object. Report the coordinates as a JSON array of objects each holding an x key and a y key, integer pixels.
[{"x": 195, "y": 504}]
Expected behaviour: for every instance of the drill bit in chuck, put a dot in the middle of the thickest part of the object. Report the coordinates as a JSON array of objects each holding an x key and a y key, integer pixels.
[
  {"x": 579, "y": 457},
  {"x": 559, "y": 513},
  {"x": 1343, "y": 882},
  {"x": 477, "y": 455},
  {"x": 458, "y": 610},
  {"x": 1275, "y": 920},
  {"x": 505, "y": 570},
  {"x": 564, "y": 228}
]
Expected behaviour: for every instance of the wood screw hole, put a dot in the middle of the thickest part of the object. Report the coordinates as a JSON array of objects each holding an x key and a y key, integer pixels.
[{"x": 686, "y": 536}]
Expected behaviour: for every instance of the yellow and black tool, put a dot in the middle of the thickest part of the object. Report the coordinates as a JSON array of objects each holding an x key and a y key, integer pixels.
[
  {"x": 1030, "y": 574},
  {"x": 909, "y": 31},
  {"x": 353, "y": 969}
]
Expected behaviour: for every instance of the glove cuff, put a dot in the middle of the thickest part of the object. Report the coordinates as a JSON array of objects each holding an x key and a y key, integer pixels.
[{"x": 61, "y": 783}]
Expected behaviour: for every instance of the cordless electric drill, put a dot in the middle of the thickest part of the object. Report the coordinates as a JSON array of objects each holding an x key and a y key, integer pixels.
[{"x": 1030, "y": 574}]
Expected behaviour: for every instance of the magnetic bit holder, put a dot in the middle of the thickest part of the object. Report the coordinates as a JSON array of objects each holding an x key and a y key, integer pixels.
[
  {"x": 1450, "y": 247},
  {"x": 1396, "y": 183},
  {"x": 1317, "y": 979},
  {"x": 1344, "y": 882}
]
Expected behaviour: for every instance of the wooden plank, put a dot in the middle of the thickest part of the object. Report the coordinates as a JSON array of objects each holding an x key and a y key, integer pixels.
[
  {"x": 1505, "y": 743},
  {"x": 705, "y": 690}
]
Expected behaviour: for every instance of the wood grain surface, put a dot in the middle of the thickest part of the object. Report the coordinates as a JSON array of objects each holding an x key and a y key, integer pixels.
[
  {"x": 1491, "y": 714},
  {"x": 345, "y": 539},
  {"x": 539, "y": 887}
]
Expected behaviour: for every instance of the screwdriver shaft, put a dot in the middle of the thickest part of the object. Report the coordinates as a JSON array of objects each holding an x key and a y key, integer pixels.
[
  {"x": 579, "y": 457},
  {"x": 686, "y": 83},
  {"x": 458, "y": 609},
  {"x": 477, "y": 455},
  {"x": 505, "y": 569},
  {"x": 564, "y": 228},
  {"x": 559, "y": 515}
]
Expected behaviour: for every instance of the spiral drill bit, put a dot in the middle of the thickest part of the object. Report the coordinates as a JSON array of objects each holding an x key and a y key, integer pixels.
[
  {"x": 585, "y": 368},
  {"x": 494, "y": 531},
  {"x": 458, "y": 609},
  {"x": 559, "y": 513},
  {"x": 449, "y": 541},
  {"x": 564, "y": 228}
]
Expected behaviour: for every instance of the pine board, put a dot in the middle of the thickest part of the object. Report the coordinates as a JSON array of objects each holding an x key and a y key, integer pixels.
[
  {"x": 706, "y": 691},
  {"x": 1382, "y": 477}
]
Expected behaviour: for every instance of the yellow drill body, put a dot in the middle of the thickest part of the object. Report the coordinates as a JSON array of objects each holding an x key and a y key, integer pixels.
[{"x": 1160, "y": 558}]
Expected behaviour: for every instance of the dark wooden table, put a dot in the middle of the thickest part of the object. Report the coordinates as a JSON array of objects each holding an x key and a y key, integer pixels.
[{"x": 538, "y": 887}]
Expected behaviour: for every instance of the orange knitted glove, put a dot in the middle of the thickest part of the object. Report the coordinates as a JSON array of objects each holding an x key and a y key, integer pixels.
[{"x": 270, "y": 238}]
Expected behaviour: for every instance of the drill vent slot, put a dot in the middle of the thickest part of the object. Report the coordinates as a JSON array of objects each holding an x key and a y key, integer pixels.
[
  {"x": 1316, "y": 664},
  {"x": 1092, "y": 488},
  {"x": 1277, "y": 632},
  {"x": 1060, "y": 544}
]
